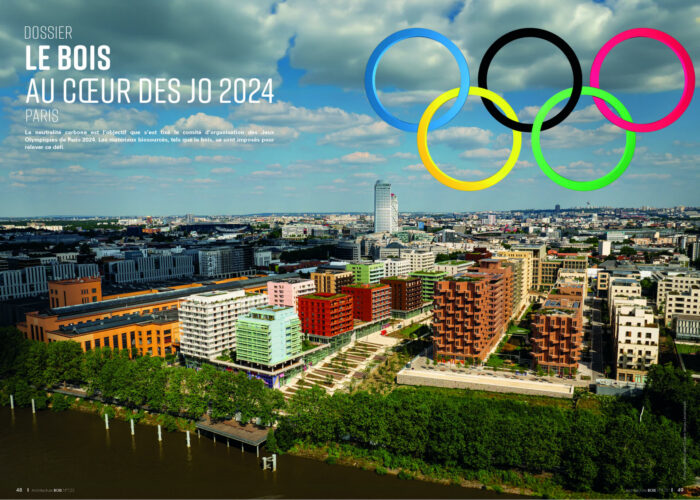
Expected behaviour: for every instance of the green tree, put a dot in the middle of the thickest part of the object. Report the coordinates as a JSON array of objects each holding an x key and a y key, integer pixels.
[
  {"x": 36, "y": 362},
  {"x": 64, "y": 363},
  {"x": 174, "y": 398},
  {"x": 61, "y": 402},
  {"x": 581, "y": 450},
  {"x": 13, "y": 347},
  {"x": 628, "y": 251}
]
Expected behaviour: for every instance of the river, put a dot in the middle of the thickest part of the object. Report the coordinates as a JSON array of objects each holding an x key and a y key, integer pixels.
[{"x": 73, "y": 452}]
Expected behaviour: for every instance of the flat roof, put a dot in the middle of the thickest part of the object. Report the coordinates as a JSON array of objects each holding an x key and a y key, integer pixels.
[
  {"x": 156, "y": 298},
  {"x": 103, "y": 324},
  {"x": 323, "y": 296}
]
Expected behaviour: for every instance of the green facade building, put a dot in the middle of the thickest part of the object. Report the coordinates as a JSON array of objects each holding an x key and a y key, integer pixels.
[
  {"x": 366, "y": 274},
  {"x": 428, "y": 280},
  {"x": 268, "y": 335}
]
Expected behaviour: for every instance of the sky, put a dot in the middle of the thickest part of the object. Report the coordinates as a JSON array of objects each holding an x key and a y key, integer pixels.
[{"x": 330, "y": 145}]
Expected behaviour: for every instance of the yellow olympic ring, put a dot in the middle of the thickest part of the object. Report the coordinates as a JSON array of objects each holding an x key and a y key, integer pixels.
[{"x": 435, "y": 170}]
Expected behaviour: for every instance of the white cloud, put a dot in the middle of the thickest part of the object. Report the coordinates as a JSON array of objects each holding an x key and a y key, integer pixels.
[
  {"x": 199, "y": 121},
  {"x": 566, "y": 136},
  {"x": 362, "y": 157},
  {"x": 324, "y": 119},
  {"x": 486, "y": 153},
  {"x": 404, "y": 156},
  {"x": 416, "y": 167},
  {"x": 378, "y": 133},
  {"x": 648, "y": 177},
  {"x": 149, "y": 160},
  {"x": 586, "y": 115},
  {"x": 217, "y": 159},
  {"x": 222, "y": 170},
  {"x": 462, "y": 137}
]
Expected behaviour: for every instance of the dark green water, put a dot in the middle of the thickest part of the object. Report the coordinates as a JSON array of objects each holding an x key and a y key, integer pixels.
[{"x": 73, "y": 451}]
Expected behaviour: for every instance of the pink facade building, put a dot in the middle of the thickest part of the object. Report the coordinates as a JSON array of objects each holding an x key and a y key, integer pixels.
[{"x": 286, "y": 292}]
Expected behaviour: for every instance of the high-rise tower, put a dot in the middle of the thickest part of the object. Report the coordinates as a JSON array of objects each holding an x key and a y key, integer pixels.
[{"x": 383, "y": 207}]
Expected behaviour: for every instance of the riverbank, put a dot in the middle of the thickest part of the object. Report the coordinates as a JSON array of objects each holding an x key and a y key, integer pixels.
[
  {"x": 168, "y": 422},
  {"x": 350, "y": 456},
  {"x": 496, "y": 481}
]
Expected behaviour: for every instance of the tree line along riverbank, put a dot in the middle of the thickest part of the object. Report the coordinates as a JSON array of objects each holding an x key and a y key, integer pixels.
[{"x": 446, "y": 435}]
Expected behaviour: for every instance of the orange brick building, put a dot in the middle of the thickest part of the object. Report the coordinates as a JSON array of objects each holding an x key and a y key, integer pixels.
[
  {"x": 37, "y": 325},
  {"x": 471, "y": 312},
  {"x": 325, "y": 314},
  {"x": 369, "y": 302},
  {"x": 71, "y": 292},
  {"x": 155, "y": 334},
  {"x": 557, "y": 328}
]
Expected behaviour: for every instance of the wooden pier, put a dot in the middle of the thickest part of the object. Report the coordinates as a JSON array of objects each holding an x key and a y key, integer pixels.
[{"x": 249, "y": 434}]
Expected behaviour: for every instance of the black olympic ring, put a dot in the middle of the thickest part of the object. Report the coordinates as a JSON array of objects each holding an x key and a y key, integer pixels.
[{"x": 557, "y": 42}]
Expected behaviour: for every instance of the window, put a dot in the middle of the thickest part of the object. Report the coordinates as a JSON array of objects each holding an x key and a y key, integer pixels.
[
  {"x": 106, "y": 341},
  {"x": 124, "y": 346},
  {"x": 97, "y": 343},
  {"x": 87, "y": 345},
  {"x": 94, "y": 290},
  {"x": 115, "y": 342}
]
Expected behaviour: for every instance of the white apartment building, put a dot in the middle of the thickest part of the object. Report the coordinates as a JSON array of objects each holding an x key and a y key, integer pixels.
[
  {"x": 208, "y": 321},
  {"x": 33, "y": 281},
  {"x": 636, "y": 342},
  {"x": 395, "y": 267},
  {"x": 144, "y": 269},
  {"x": 420, "y": 259},
  {"x": 262, "y": 258},
  {"x": 682, "y": 303},
  {"x": 20, "y": 283},
  {"x": 70, "y": 270},
  {"x": 604, "y": 247},
  {"x": 679, "y": 283},
  {"x": 622, "y": 287}
]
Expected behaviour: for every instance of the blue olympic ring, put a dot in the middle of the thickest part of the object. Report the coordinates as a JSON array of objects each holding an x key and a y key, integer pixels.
[{"x": 371, "y": 71}]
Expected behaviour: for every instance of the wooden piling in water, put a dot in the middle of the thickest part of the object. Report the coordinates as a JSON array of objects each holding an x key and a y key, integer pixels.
[
  {"x": 160, "y": 433},
  {"x": 188, "y": 439},
  {"x": 33, "y": 406},
  {"x": 12, "y": 402}
]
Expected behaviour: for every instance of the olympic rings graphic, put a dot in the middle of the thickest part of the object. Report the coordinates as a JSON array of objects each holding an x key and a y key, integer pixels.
[
  {"x": 509, "y": 118},
  {"x": 371, "y": 70},
  {"x": 688, "y": 74},
  {"x": 557, "y": 42},
  {"x": 582, "y": 185},
  {"x": 435, "y": 170}
]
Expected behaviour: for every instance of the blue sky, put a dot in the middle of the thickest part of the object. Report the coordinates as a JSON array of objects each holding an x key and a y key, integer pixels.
[{"x": 331, "y": 147}]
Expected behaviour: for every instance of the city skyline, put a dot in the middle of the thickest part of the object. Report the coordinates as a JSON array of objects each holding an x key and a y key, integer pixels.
[{"x": 330, "y": 145}]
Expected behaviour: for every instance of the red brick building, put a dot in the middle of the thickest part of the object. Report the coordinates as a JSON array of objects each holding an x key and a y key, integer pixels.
[
  {"x": 557, "y": 329},
  {"x": 478, "y": 254},
  {"x": 325, "y": 314},
  {"x": 369, "y": 302},
  {"x": 471, "y": 313},
  {"x": 405, "y": 292}
]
